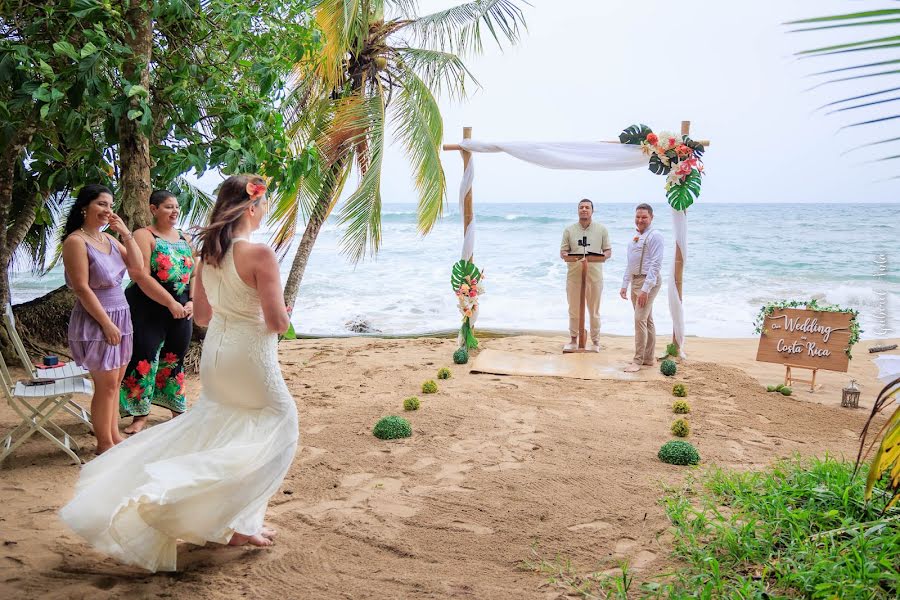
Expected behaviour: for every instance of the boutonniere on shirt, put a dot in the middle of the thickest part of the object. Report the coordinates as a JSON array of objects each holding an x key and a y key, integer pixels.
[{"x": 636, "y": 238}]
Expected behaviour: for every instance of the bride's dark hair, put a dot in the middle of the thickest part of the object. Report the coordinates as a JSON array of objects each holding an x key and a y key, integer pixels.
[{"x": 231, "y": 202}]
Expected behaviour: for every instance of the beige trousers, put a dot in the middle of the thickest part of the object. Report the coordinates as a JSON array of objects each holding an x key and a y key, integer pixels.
[
  {"x": 644, "y": 329},
  {"x": 592, "y": 292}
]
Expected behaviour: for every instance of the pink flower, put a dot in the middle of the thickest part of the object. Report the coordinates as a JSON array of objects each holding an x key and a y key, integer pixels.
[
  {"x": 473, "y": 293},
  {"x": 652, "y": 138}
]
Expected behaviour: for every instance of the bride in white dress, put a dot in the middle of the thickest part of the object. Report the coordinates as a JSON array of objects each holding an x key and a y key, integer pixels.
[{"x": 206, "y": 476}]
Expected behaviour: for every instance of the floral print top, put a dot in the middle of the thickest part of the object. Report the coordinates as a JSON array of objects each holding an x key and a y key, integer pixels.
[{"x": 172, "y": 263}]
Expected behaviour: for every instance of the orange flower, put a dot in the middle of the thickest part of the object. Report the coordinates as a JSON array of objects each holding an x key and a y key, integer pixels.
[{"x": 255, "y": 190}]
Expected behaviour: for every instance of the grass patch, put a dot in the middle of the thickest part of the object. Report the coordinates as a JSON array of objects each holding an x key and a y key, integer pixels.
[{"x": 798, "y": 530}]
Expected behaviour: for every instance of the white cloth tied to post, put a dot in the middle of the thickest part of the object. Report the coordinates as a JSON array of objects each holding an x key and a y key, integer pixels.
[{"x": 579, "y": 156}]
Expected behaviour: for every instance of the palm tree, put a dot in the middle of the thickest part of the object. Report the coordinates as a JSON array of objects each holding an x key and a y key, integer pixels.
[
  {"x": 371, "y": 69},
  {"x": 883, "y": 44}
]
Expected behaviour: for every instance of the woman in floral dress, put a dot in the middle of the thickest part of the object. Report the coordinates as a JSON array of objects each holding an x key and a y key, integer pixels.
[{"x": 161, "y": 311}]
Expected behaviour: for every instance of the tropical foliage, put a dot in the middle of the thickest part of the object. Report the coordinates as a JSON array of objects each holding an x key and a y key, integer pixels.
[
  {"x": 376, "y": 71},
  {"x": 876, "y": 70},
  {"x": 887, "y": 457},
  {"x": 90, "y": 91},
  {"x": 468, "y": 285}
]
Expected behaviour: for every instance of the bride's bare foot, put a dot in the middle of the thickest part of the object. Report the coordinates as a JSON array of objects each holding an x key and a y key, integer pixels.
[
  {"x": 137, "y": 424},
  {"x": 239, "y": 539},
  {"x": 117, "y": 437},
  {"x": 268, "y": 533}
]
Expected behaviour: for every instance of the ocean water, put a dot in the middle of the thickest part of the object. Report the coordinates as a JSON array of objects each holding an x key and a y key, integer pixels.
[{"x": 739, "y": 257}]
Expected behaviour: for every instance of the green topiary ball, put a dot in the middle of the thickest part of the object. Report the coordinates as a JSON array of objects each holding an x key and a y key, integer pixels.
[
  {"x": 679, "y": 390},
  {"x": 779, "y": 387},
  {"x": 444, "y": 373},
  {"x": 671, "y": 350},
  {"x": 411, "y": 403},
  {"x": 392, "y": 428},
  {"x": 429, "y": 387},
  {"x": 668, "y": 367},
  {"x": 678, "y": 452},
  {"x": 461, "y": 356},
  {"x": 681, "y": 428},
  {"x": 681, "y": 407},
  {"x": 771, "y": 388},
  {"x": 786, "y": 390}
]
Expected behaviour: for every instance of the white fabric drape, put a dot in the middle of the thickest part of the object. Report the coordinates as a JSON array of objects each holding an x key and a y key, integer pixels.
[
  {"x": 581, "y": 156},
  {"x": 888, "y": 367},
  {"x": 676, "y": 308}
]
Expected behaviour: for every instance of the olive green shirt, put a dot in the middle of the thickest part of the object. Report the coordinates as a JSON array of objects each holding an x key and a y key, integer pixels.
[{"x": 597, "y": 237}]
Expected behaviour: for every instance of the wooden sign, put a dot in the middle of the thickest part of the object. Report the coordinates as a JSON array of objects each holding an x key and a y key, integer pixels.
[{"x": 806, "y": 338}]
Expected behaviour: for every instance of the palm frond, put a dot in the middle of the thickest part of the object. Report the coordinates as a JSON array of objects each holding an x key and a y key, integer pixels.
[
  {"x": 343, "y": 25},
  {"x": 420, "y": 129},
  {"x": 887, "y": 457},
  {"x": 361, "y": 212},
  {"x": 874, "y": 18},
  {"x": 459, "y": 29},
  {"x": 405, "y": 8},
  {"x": 440, "y": 71},
  {"x": 195, "y": 203}
]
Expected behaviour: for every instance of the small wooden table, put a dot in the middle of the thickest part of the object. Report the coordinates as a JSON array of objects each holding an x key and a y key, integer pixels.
[{"x": 584, "y": 259}]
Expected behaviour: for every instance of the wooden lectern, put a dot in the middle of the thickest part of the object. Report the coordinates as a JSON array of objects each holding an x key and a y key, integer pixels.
[{"x": 584, "y": 259}]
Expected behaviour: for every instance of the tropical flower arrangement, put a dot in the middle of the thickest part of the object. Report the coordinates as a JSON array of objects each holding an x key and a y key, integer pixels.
[
  {"x": 467, "y": 283},
  {"x": 676, "y": 156}
]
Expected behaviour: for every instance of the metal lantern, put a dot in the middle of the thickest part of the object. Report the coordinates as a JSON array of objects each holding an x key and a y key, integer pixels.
[{"x": 850, "y": 395}]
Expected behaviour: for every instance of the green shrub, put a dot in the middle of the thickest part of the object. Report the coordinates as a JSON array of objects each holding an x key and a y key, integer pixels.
[
  {"x": 678, "y": 452},
  {"x": 668, "y": 367},
  {"x": 679, "y": 390},
  {"x": 392, "y": 428},
  {"x": 681, "y": 428},
  {"x": 681, "y": 407},
  {"x": 771, "y": 388},
  {"x": 786, "y": 390},
  {"x": 444, "y": 373},
  {"x": 461, "y": 356},
  {"x": 411, "y": 403},
  {"x": 429, "y": 387},
  {"x": 779, "y": 387},
  {"x": 672, "y": 349}
]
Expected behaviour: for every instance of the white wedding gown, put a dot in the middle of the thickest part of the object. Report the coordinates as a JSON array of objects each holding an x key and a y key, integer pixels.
[{"x": 210, "y": 472}]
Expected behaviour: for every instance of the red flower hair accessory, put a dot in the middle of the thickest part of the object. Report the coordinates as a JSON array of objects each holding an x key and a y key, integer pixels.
[{"x": 255, "y": 190}]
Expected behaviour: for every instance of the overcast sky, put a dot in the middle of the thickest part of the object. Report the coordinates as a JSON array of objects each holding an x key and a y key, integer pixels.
[{"x": 585, "y": 69}]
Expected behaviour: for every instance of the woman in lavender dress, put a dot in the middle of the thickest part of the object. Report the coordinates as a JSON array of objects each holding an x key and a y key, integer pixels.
[{"x": 100, "y": 333}]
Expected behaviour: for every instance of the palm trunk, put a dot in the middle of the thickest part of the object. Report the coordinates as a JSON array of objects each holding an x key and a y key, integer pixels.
[
  {"x": 12, "y": 234},
  {"x": 298, "y": 267},
  {"x": 134, "y": 147},
  {"x": 331, "y": 188}
]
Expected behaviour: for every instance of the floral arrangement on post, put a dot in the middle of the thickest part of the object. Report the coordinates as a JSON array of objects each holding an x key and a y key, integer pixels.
[
  {"x": 676, "y": 156},
  {"x": 467, "y": 283}
]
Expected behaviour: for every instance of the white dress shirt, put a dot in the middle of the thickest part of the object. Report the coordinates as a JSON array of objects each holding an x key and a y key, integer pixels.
[{"x": 650, "y": 243}]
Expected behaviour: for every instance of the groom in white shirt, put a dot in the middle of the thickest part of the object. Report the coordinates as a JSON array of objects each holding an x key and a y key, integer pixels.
[{"x": 643, "y": 274}]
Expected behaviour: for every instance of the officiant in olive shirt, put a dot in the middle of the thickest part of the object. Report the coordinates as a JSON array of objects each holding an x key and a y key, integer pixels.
[{"x": 598, "y": 243}]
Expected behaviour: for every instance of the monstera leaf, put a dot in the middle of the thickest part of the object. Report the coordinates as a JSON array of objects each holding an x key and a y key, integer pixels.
[
  {"x": 657, "y": 167},
  {"x": 461, "y": 270},
  {"x": 634, "y": 134},
  {"x": 683, "y": 195},
  {"x": 697, "y": 147}
]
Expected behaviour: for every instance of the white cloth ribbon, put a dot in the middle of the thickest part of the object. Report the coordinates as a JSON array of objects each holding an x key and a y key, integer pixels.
[
  {"x": 888, "y": 367},
  {"x": 676, "y": 307},
  {"x": 581, "y": 156}
]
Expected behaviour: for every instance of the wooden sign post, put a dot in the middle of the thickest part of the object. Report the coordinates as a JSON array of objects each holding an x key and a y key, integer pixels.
[
  {"x": 584, "y": 260},
  {"x": 806, "y": 339}
]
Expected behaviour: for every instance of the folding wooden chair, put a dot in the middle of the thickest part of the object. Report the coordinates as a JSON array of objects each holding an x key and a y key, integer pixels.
[
  {"x": 36, "y": 405},
  {"x": 67, "y": 371}
]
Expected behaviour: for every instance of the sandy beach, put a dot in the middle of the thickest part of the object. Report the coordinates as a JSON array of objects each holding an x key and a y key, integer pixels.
[{"x": 499, "y": 469}]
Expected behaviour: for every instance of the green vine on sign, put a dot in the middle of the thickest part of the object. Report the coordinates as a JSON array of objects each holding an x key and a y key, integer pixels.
[{"x": 771, "y": 307}]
